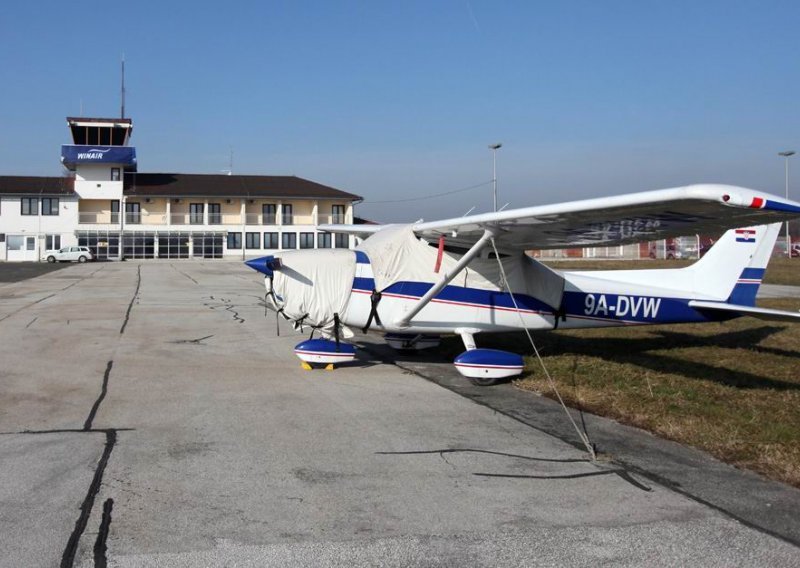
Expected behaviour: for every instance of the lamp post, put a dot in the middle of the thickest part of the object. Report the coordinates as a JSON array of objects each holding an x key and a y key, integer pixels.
[
  {"x": 786, "y": 156},
  {"x": 494, "y": 148}
]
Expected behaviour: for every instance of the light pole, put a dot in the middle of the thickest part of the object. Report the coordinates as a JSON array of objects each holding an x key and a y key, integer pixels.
[
  {"x": 494, "y": 148},
  {"x": 786, "y": 156}
]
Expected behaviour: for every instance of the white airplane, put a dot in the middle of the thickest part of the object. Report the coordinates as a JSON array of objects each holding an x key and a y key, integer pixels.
[{"x": 419, "y": 281}]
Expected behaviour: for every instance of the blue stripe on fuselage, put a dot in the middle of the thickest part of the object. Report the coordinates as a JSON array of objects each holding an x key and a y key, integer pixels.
[{"x": 634, "y": 309}]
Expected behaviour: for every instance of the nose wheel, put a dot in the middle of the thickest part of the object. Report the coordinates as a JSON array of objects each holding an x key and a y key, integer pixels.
[{"x": 324, "y": 352}]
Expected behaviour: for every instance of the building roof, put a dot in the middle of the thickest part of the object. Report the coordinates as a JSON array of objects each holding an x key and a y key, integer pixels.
[
  {"x": 35, "y": 185},
  {"x": 201, "y": 185}
]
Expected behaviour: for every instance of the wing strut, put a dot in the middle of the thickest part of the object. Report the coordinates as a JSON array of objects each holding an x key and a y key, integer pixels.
[{"x": 447, "y": 277}]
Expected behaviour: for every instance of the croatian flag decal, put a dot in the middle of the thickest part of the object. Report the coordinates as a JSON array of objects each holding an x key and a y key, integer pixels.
[{"x": 745, "y": 236}]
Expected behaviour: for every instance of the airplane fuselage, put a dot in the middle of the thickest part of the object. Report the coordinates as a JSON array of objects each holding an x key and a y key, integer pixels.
[{"x": 588, "y": 301}]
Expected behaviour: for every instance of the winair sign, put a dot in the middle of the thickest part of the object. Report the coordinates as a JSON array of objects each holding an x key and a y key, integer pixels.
[{"x": 73, "y": 154}]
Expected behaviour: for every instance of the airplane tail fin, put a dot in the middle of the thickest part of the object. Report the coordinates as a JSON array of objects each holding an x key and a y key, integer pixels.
[{"x": 732, "y": 270}]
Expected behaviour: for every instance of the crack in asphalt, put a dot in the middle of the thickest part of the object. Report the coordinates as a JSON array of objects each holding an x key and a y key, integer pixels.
[
  {"x": 133, "y": 299},
  {"x": 103, "y": 390},
  {"x": 100, "y": 547},
  {"x": 184, "y": 274},
  {"x": 68, "y": 557},
  {"x": 67, "y": 287}
]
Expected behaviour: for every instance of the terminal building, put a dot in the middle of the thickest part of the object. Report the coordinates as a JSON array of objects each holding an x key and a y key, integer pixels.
[{"x": 102, "y": 201}]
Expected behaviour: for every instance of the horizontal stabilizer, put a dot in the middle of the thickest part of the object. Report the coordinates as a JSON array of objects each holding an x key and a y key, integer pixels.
[{"x": 752, "y": 311}]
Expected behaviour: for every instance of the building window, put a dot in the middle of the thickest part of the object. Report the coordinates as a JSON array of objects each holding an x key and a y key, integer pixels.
[
  {"x": 115, "y": 174},
  {"x": 252, "y": 240},
  {"x": 324, "y": 240},
  {"x": 52, "y": 242},
  {"x": 289, "y": 241},
  {"x": 50, "y": 206},
  {"x": 271, "y": 240},
  {"x": 30, "y": 206},
  {"x": 268, "y": 213},
  {"x": 15, "y": 242},
  {"x": 115, "y": 211},
  {"x": 196, "y": 213},
  {"x": 234, "y": 241},
  {"x": 306, "y": 240},
  {"x": 342, "y": 241},
  {"x": 214, "y": 214},
  {"x": 133, "y": 213},
  {"x": 337, "y": 214},
  {"x": 286, "y": 215}
]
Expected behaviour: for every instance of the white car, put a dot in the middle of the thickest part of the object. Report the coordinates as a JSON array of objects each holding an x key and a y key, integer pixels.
[{"x": 66, "y": 254}]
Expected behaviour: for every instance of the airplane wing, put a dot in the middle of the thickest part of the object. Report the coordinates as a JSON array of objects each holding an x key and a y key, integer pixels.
[
  {"x": 357, "y": 230},
  {"x": 616, "y": 220}
]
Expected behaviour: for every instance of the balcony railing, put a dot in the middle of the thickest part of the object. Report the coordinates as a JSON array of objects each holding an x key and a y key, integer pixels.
[
  {"x": 336, "y": 219},
  {"x": 144, "y": 218}
]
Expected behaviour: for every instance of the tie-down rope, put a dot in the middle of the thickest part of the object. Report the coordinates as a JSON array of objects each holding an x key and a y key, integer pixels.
[{"x": 582, "y": 435}]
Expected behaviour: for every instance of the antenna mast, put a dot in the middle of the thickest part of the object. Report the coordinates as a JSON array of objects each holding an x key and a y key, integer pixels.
[{"x": 122, "y": 89}]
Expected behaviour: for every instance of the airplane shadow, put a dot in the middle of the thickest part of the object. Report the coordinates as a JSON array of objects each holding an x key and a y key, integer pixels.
[
  {"x": 621, "y": 472},
  {"x": 641, "y": 353},
  {"x": 650, "y": 352}
]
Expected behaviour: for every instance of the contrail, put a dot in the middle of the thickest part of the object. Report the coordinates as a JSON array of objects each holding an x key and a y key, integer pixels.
[{"x": 473, "y": 18}]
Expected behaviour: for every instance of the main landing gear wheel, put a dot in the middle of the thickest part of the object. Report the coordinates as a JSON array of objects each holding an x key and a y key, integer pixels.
[
  {"x": 484, "y": 381},
  {"x": 486, "y": 367}
]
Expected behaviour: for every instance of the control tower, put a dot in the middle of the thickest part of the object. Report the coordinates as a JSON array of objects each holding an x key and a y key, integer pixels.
[{"x": 99, "y": 155}]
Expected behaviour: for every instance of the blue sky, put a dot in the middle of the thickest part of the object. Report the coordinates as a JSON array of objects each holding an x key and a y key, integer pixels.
[{"x": 399, "y": 100}]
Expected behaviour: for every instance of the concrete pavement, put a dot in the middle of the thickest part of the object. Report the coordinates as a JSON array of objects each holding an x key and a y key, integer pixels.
[{"x": 152, "y": 417}]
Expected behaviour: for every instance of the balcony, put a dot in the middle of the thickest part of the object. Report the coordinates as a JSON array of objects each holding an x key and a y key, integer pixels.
[
  {"x": 336, "y": 219},
  {"x": 186, "y": 219},
  {"x": 98, "y": 218},
  {"x": 198, "y": 219}
]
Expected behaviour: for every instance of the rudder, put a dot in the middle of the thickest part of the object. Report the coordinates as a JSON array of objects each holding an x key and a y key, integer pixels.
[{"x": 734, "y": 267}]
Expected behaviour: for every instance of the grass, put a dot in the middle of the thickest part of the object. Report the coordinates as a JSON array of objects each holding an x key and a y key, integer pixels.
[{"x": 731, "y": 389}]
